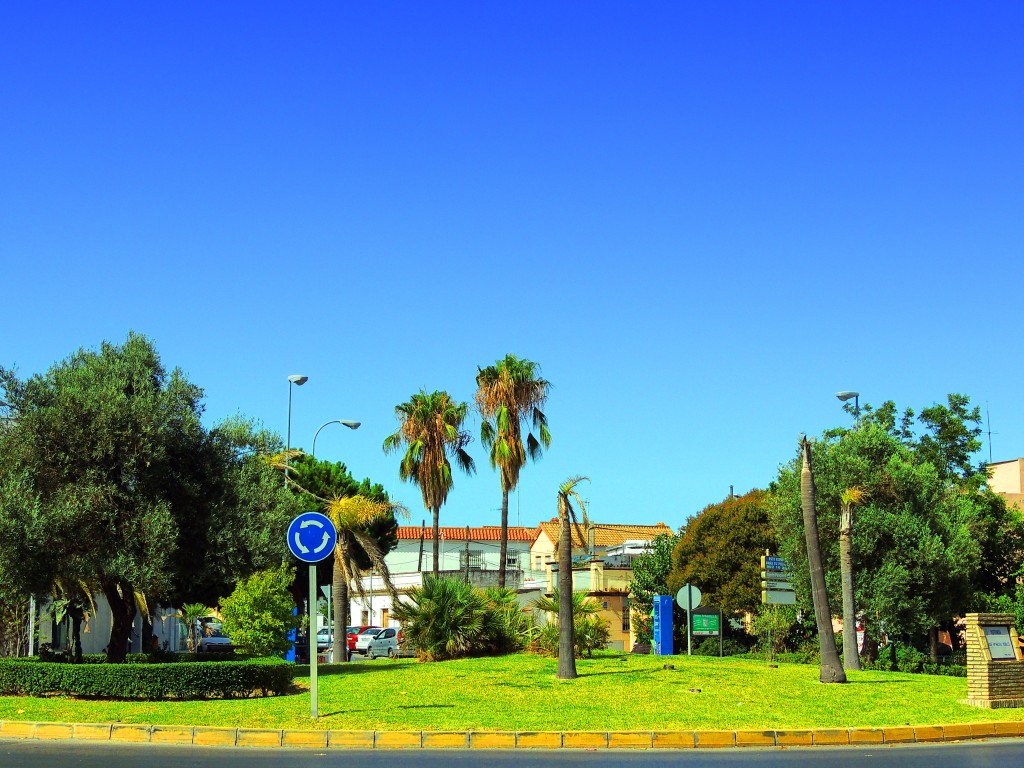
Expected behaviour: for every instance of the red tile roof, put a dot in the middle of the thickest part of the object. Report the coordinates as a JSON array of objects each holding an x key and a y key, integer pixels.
[
  {"x": 455, "y": 533},
  {"x": 605, "y": 534}
]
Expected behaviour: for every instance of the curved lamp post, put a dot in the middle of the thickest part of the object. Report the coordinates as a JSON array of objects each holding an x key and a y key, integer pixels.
[
  {"x": 846, "y": 395},
  {"x": 298, "y": 380},
  {"x": 344, "y": 422}
]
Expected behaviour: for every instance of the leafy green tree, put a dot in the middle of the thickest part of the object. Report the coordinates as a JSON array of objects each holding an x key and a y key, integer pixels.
[
  {"x": 930, "y": 542},
  {"x": 108, "y": 477},
  {"x": 258, "y": 616},
  {"x": 510, "y": 395},
  {"x": 568, "y": 501},
  {"x": 430, "y": 428},
  {"x": 650, "y": 577},
  {"x": 719, "y": 550}
]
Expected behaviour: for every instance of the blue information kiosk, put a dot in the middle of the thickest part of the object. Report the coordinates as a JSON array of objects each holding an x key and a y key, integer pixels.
[{"x": 663, "y": 626}]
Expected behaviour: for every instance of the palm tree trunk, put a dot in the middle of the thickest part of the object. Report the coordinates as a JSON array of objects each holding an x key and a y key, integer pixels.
[
  {"x": 831, "y": 668},
  {"x": 437, "y": 541},
  {"x": 566, "y": 629},
  {"x": 851, "y": 658},
  {"x": 340, "y": 638},
  {"x": 503, "y": 549}
]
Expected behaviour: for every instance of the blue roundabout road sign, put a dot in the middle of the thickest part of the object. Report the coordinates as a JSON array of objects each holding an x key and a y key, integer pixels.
[{"x": 311, "y": 537}]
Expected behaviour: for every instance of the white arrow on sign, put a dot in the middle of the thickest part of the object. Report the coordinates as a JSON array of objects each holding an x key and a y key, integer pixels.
[{"x": 323, "y": 544}]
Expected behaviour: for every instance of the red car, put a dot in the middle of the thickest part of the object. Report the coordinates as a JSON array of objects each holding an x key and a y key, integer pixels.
[{"x": 354, "y": 632}]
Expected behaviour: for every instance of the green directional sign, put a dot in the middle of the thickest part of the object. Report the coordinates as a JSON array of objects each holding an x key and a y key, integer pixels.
[{"x": 705, "y": 624}]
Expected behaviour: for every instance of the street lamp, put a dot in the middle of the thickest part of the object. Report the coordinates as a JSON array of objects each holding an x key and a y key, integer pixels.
[
  {"x": 344, "y": 422},
  {"x": 846, "y": 395},
  {"x": 298, "y": 380}
]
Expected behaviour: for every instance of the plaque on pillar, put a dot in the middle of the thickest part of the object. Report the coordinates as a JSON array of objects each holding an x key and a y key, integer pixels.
[{"x": 995, "y": 666}]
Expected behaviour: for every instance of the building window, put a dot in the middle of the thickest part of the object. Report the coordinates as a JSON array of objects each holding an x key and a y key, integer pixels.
[
  {"x": 475, "y": 559},
  {"x": 625, "y": 615},
  {"x": 512, "y": 559},
  {"x": 366, "y": 618}
]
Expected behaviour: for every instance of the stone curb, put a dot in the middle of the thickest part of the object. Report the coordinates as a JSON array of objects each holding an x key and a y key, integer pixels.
[{"x": 592, "y": 740}]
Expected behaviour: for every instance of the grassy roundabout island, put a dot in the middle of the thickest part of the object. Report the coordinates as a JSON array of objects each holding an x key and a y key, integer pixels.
[{"x": 615, "y": 691}]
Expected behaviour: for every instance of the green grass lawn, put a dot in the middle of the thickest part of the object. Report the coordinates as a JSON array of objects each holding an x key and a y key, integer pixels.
[{"x": 615, "y": 691}]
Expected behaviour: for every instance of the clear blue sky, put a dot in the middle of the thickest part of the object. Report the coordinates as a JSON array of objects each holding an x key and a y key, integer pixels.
[{"x": 702, "y": 220}]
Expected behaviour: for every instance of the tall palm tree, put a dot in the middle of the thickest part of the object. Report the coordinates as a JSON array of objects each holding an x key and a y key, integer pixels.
[
  {"x": 831, "y": 669},
  {"x": 351, "y": 516},
  {"x": 509, "y": 395},
  {"x": 568, "y": 519},
  {"x": 430, "y": 426},
  {"x": 848, "y": 499}
]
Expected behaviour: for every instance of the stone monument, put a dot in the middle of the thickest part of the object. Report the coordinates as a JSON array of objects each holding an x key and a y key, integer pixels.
[{"x": 995, "y": 667}]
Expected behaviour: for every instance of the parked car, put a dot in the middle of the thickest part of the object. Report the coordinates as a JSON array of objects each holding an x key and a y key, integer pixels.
[
  {"x": 364, "y": 637},
  {"x": 324, "y": 638},
  {"x": 212, "y": 638},
  {"x": 384, "y": 643},
  {"x": 353, "y": 635}
]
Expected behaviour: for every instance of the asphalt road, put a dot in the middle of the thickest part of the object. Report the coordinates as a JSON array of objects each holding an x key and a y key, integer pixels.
[{"x": 70, "y": 754}]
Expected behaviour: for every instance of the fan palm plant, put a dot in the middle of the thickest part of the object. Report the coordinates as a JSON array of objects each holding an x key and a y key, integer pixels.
[
  {"x": 849, "y": 498},
  {"x": 509, "y": 395},
  {"x": 568, "y": 519},
  {"x": 444, "y": 618},
  {"x": 190, "y": 614},
  {"x": 351, "y": 517},
  {"x": 430, "y": 428}
]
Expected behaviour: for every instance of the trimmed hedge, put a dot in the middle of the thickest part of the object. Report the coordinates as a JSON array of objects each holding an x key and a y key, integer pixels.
[{"x": 148, "y": 682}]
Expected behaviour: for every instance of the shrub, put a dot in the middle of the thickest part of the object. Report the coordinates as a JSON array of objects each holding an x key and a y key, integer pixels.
[
  {"x": 709, "y": 646},
  {"x": 772, "y": 626},
  {"x": 444, "y": 619},
  {"x": 150, "y": 682},
  {"x": 258, "y": 614},
  {"x": 590, "y": 631},
  {"x": 506, "y": 627}
]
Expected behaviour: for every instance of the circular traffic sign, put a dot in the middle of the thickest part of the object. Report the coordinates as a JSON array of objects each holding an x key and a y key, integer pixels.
[
  {"x": 686, "y": 602},
  {"x": 311, "y": 537}
]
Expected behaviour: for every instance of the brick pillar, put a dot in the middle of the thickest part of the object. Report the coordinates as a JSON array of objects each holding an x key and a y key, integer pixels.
[{"x": 993, "y": 683}]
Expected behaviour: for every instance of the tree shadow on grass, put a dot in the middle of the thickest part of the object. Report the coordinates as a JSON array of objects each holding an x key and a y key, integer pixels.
[{"x": 302, "y": 670}]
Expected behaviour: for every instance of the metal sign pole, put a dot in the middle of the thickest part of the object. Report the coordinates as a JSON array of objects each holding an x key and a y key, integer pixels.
[
  {"x": 689, "y": 620},
  {"x": 313, "y": 708}
]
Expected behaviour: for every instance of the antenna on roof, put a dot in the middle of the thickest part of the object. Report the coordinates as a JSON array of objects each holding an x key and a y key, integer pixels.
[{"x": 988, "y": 421}]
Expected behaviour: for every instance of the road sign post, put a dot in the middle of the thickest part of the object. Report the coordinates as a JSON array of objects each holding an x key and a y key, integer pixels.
[
  {"x": 311, "y": 538},
  {"x": 688, "y": 598}
]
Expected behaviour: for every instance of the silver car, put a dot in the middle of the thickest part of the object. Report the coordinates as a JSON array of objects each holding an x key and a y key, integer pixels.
[
  {"x": 384, "y": 643},
  {"x": 363, "y": 639}
]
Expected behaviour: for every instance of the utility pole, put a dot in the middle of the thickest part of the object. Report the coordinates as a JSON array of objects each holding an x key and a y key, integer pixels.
[{"x": 419, "y": 562}]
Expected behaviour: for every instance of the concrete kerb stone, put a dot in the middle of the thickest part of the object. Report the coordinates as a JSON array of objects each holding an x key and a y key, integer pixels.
[{"x": 253, "y": 737}]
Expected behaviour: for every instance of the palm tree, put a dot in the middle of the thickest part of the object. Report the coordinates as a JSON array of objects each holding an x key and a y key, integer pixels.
[
  {"x": 567, "y": 518},
  {"x": 831, "y": 669},
  {"x": 190, "y": 614},
  {"x": 848, "y": 499},
  {"x": 430, "y": 426},
  {"x": 509, "y": 395},
  {"x": 351, "y": 516}
]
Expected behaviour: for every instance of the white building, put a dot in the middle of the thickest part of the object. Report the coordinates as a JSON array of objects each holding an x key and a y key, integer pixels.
[{"x": 467, "y": 551}]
